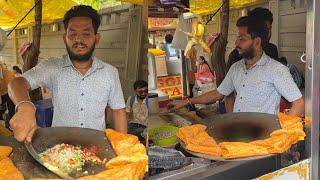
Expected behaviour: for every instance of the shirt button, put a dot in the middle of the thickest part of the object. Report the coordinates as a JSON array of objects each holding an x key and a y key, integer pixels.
[
  {"x": 81, "y": 109},
  {"x": 243, "y": 85},
  {"x": 81, "y": 124},
  {"x": 238, "y": 110},
  {"x": 82, "y": 94},
  {"x": 240, "y": 97},
  {"x": 82, "y": 79},
  {"x": 246, "y": 73}
]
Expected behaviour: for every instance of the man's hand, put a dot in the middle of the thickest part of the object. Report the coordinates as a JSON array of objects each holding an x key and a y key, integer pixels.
[
  {"x": 23, "y": 123},
  {"x": 175, "y": 105},
  {"x": 297, "y": 108}
]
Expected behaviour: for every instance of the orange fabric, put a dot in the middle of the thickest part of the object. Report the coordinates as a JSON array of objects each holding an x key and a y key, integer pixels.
[
  {"x": 197, "y": 139},
  {"x": 4, "y": 81}
]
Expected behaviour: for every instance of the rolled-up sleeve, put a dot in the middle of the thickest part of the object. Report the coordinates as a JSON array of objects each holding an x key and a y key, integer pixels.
[
  {"x": 40, "y": 75},
  {"x": 285, "y": 84},
  {"x": 116, "y": 100},
  {"x": 227, "y": 86}
]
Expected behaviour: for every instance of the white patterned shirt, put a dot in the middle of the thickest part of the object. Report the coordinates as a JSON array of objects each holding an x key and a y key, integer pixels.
[
  {"x": 259, "y": 88},
  {"x": 78, "y": 100},
  {"x": 138, "y": 111}
]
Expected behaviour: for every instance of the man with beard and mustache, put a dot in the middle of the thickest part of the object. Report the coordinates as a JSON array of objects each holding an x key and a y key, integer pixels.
[
  {"x": 136, "y": 107},
  {"x": 270, "y": 49},
  {"x": 81, "y": 84},
  {"x": 258, "y": 80}
]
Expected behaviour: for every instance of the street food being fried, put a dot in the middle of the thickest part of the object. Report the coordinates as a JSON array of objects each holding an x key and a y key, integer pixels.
[
  {"x": 132, "y": 171},
  {"x": 232, "y": 150},
  {"x": 68, "y": 158},
  {"x": 9, "y": 171},
  {"x": 5, "y": 151},
  {"x": 125, "y": 159},
  {"x": 281, "y": 140},
  {"x": 197, "y": 139},
  {"x": 120, "y": 142},
  {"x": 128, "y": 149},
  {"x": 290, "y": 122}
]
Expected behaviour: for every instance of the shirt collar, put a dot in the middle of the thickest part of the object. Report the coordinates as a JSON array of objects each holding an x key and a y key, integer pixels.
[
  {"x": 262, "y": 61},
  {"x": 96, "y": 64},
  {"x": 144, "y": 100}
]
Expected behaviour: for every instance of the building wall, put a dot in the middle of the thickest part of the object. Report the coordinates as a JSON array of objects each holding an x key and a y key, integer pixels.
[{"x": 120, "y": 45}]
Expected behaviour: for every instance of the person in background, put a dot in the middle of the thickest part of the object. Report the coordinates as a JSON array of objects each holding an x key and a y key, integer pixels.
[
  {"x": 297, "y": 77},
  {"x": 270, "y": 49},
  {"x": 168, "y": 47},
  {"x": 16, "y": 71},
  {"x": 5, "y": 77},
  {"x": 204, "y": 74},
  {"x": 137, "y": 104}
]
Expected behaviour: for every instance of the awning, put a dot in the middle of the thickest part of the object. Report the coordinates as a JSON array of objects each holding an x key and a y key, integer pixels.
[
  {"x": 12, "y": 11},
  {"x": 204, "y": 7}
]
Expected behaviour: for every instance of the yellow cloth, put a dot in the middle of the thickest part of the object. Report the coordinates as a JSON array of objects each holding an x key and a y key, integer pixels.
[
  {"x": 197, "y": 139},
  {"x": 52, "y": 10},
  {"x": 204, "y": 7},
  {"x": 196, "y": 37}
]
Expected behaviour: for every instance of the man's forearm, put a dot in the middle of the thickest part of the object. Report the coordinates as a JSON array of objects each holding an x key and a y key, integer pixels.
[
  {"x": 297, "y": 108},
  {"x": 211, "y": 96},
  {"x": 18, "y": 90},
  {"x": 120, "y": 122},
  {"x": 229, "y": 102}
]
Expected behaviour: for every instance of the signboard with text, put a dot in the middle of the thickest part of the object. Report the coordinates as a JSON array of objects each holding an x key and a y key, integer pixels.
[{"x": 170, "y": 85}]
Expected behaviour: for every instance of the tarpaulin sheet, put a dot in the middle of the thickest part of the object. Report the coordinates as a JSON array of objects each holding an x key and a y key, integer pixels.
[
  {"x": 12, "y": 11},
  {"x": 204, "y": 7}
]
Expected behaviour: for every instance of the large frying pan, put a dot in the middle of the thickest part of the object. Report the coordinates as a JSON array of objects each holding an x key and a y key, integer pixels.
[
  {"x": 45, "y": 138},
  {"x": 240, "y": 127}
]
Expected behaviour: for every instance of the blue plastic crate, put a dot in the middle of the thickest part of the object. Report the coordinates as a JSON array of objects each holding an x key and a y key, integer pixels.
[{"x": 44, "y": 113}]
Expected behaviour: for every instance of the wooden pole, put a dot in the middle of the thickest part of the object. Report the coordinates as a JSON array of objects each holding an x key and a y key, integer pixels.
[
  {"x": 31, "y": 56},
  {"x": 219, "y": 47}
]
